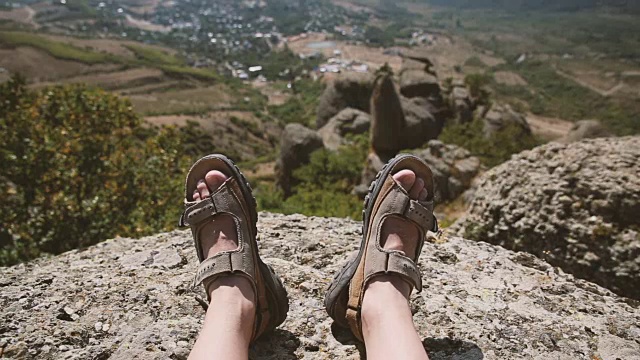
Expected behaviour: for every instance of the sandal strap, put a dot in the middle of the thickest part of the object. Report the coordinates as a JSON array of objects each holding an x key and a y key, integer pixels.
[
  {"x": 420, "y": 213},
  {"x": 224, "y": 263}
]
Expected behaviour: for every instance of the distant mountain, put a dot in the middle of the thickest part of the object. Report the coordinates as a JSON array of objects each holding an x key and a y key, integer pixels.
[{"x": 544, "y": 5}]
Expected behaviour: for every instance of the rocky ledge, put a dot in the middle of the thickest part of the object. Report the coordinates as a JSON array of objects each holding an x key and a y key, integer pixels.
[{"x": 131, "y": 299}]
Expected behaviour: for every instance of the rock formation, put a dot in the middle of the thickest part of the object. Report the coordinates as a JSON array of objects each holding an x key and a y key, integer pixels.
[
  {"x": 348, "y": 90},
  {"x": 585, "y": 129},
  {"x": 131, "y": 299},
  {"x": 298, "y": 142},
  {"x": 387, "y": 118},
  {"x": 347, "y": 121},
  {"x": 577, "y": 206},
  {"x": 500, "y": 116},
  {"x": 453, "y": 168}
]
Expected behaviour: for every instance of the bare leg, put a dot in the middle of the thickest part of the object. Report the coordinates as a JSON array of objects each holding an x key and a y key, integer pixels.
[
  {"x": 228, "y": 325},
  {"x": 387, "y": 323}
]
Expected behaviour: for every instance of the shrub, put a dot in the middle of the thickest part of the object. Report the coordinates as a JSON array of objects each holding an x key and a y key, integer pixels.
[
  {"x": 79, "y": 167},
  {"x": 494, "y": 150},
  {"x": 324, "y": 185}
]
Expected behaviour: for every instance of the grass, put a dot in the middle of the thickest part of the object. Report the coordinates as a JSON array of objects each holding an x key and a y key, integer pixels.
[
  {"x": 145, "y": 56},
  {"x": 154, "y": 56},
  {"x": 550, "y": 94},
  {"x": 55, "y": 48}
]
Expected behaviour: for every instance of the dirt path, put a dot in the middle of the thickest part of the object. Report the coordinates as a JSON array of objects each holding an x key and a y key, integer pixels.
[
  {"x": 605, "y": 93},
  {"x": 548, "y": 128}
]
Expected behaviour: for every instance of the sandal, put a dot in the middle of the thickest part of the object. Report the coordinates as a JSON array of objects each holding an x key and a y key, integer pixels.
[
  {"x": 386, "y": 197},
  {"x": 234, "y": 198}
]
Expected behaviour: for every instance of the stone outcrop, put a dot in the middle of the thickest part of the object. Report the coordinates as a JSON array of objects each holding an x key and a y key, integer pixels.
[
  {"x": 346, "y": 122},
  {"x": 585, "y": 129},
  {"x": 423, "y": 122},
  {"x": 453, "y": 168},
  {"x": 298, "y": 142},
  {"x": 387, "y": 118},
  {"x": 348, "y": 90},
  {"x": 577, "y": 206},
  {"x": 461, "y": 103},
  {"x": 131, "y": 299},
  {"x": 500, "y": 116}
]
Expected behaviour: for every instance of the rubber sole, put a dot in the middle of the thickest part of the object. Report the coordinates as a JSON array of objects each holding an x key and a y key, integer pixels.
[
  {"x": 278, "y": 297},
  {"x": 342, "y": 279}
]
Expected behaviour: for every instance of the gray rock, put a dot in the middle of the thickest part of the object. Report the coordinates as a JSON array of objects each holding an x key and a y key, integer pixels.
[
  {"x": 297, "y": 144},
  {"x": 480, "y": 301},
  {"x": 348, "y": 90},
  {"x": 453, "y": 168},
  {"x": 347, "y": 121},
  {"x": 501, "y": 116},
  {"x": 585, "y": 129},
  {"x": 418, "y": 83},
  {"x": 575, "y": 205},
  {"x": 387, "y": 118},
  {"x": 422, "y": 124}
]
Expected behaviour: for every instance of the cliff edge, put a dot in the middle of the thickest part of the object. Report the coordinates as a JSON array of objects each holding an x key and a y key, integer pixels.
[{"x": 131, "y": 299}]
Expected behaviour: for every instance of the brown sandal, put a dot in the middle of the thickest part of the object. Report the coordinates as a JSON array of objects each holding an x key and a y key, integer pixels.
[
  {"x": 386, "y": 197},
  {"x": 234, "y": 198}
]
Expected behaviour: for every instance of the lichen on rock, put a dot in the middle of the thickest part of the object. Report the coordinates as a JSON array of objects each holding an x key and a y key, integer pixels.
[{"x": 131, "y": 299}]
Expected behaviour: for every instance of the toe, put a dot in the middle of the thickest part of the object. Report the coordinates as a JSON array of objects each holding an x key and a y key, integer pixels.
[
  {"x": 405, "y": 178},
  {"x": 202, "y": 189},
  {"x": 196, "y": 195},
  {"x": 423, "y": 195},
  {"x": 214, "y": 179},
  {"x": 417, "y": 187}
]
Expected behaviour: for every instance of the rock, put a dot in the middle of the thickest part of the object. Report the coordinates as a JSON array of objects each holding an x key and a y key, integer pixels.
[
  {"x": 461, "y": 104},
  {"x": 453, "y": 168},
  {"x": 348, "y": 90},
  {"x": 480, "y": 301},
  {"x": 387, "y": 118},
  {"x": 347, "y": 121},
  {"x": 585, "y": 129},
  {"x": 501, "y": 116},
  {"x": 421, "y": 123},
  {"x": 418, "y": 83},
  {"x": 297, "y": 144},
  {"x": 574, "y": 205}
]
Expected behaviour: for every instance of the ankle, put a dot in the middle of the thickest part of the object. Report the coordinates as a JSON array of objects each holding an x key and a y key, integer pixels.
[
  {"x": 385, "y": 296},
  {"x": 234, "y": 294}
]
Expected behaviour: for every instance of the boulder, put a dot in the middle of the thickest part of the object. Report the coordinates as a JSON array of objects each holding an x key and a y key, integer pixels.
[
  {"x": 297, "y": 144},
  {"x": 347, "y": 121},
  {"x": 585, "y": 129},
  {"x": 501, "y": 116},
  {"x": 422, "y": 122},
  {"x": 453, "y": 168},
  {"x": 480, "y": 301},
  {"x": 347, "y": 90},
  {"x": 461, "y": 104},
  {"x": 387, "y": 118},
  {"x": 573, "y": 205},
  {"x": 418, "y": 83}
]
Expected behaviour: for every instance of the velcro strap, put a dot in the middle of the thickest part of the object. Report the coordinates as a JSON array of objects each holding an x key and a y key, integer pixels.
[
  {"x": 398, "y": 264},
  {"x": 227, "y": 262},
  {"x": 199, "y": 212},
  {"x": 393, "y": 263},
  {"x": 219, "y": 202},
  {"x": 421, "y": 213}
]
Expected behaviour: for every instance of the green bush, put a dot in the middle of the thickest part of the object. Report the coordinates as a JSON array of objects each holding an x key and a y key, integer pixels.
[
  {"x": 493, "y": 151},
  {"x": 323, "y": 186},
  {"x": 79, "y": 167}
]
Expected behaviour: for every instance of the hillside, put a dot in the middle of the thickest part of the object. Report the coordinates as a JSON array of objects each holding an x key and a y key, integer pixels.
[{"x": 126, "y": 299}]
